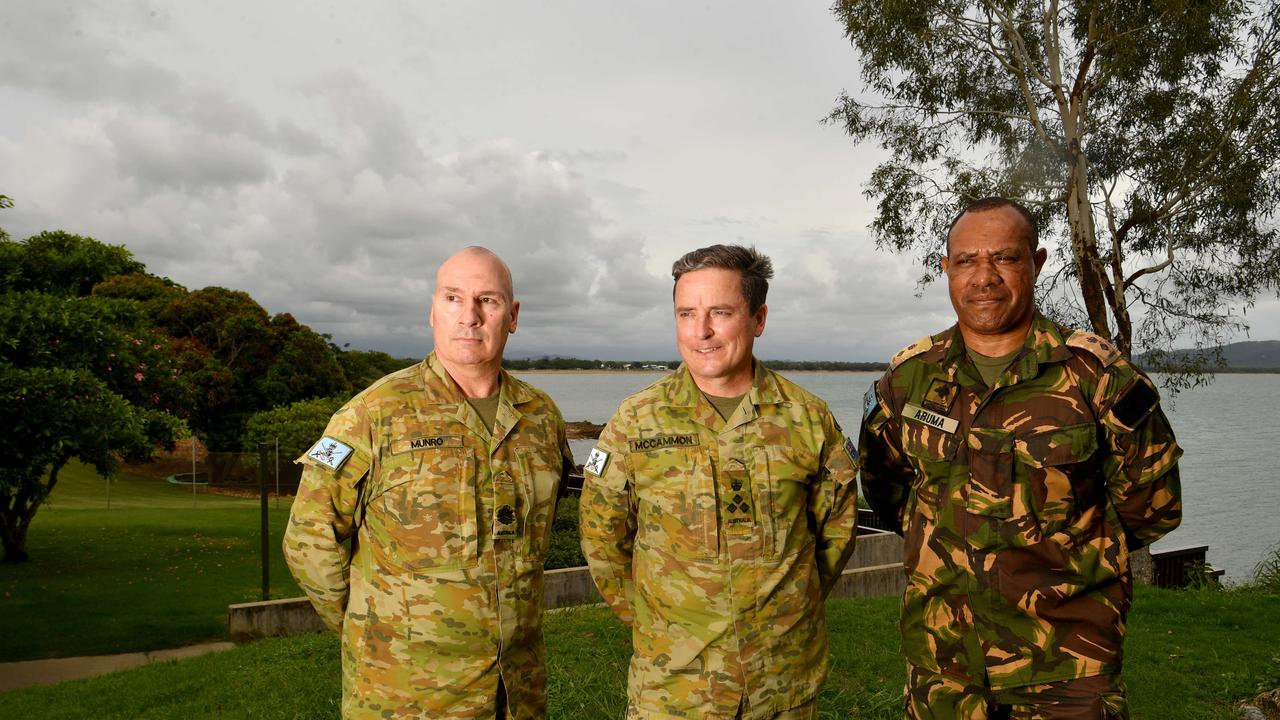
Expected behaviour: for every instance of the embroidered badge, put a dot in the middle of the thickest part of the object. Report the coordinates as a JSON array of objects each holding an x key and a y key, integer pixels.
[
  {"x": 596, "y": 462},
  {"x": 930, "y": 418},
  {"x": 870, "y": 402},
  {"x": 850, "y": 448},
  {"x": 940, "y": 395},
  {"x": 330, "y": 452}
]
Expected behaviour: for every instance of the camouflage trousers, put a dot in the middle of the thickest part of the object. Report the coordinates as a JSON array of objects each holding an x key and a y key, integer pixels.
[
  {"x": 807, "y": 711},
  {"x": 940, "y": 697}
]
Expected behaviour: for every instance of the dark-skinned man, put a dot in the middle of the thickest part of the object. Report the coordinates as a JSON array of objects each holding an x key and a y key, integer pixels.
[{"x": 1022, "y": 461}]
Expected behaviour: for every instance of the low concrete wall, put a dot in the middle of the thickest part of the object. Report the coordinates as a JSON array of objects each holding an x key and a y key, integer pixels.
[
  {"x": 874, "y": 570},
  {"x": 291, "y": 616}
]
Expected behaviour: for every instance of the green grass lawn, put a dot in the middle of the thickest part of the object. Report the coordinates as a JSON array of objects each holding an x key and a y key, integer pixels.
[
  {"x": 150, "y": 572},
  {"x": 1192, "y": 655}
]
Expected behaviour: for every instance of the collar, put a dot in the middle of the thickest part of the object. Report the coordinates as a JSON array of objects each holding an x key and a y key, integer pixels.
[{"x": 1046, "y": 343}]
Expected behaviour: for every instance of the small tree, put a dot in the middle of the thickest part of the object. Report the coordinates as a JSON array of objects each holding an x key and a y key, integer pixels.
[
  {"x": 1145, "y": 135},
  {"x": 79, "y": 378}
]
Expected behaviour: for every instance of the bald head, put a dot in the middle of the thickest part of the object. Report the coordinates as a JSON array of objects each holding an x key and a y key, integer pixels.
[
  {"x": 476, "y": 259},
  {"x": 473, "y": 310}
]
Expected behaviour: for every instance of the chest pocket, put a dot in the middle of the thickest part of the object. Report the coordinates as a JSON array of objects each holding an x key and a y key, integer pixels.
[
  {"x": 675, "y": 490},
  {"x": 421, "y": 515},
  {"x": 1054, "y": 462}
]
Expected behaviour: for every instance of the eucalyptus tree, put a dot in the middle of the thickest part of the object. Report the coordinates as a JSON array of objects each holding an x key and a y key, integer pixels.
[{"x": 1144, "y": 135}]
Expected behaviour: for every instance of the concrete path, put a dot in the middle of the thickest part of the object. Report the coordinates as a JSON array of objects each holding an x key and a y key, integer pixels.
[{"x": 16, "y": 675}]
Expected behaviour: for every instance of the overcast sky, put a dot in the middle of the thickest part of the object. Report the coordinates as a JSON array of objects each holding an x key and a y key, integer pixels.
[{"x": 325, "y": 157}]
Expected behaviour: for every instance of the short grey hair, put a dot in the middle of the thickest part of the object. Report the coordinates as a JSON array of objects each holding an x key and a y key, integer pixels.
[{"x": 756, "y": 269}]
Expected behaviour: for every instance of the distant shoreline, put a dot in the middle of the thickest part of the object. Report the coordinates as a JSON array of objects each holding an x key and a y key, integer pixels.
[{"x": 600, "y": 371}]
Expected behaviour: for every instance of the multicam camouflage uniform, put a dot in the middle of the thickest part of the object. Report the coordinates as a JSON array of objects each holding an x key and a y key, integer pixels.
[
  {"x": 717, "y": 540},
  {"x": 434, "y": 607},
  {"x": 1020, "y": 505}
]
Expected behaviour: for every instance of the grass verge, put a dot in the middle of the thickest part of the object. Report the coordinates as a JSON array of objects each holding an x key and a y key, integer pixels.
[
  {"x": 150, "y": 572},
  {"x": 1191, "y": 656}
]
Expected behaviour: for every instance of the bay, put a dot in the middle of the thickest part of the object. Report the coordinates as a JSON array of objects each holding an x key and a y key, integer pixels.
[{"x": 1230, "y": 481}]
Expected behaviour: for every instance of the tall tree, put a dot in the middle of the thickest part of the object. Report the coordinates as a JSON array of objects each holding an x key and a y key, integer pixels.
[{"x": 1145, "y": 135}]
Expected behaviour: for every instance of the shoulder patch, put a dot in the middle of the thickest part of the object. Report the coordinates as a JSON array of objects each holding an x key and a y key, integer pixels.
[
  {"x": 1135, "y": 405},
  {"x": 1095, "y": 345},
  {"x": 870, "y": 401},
  {"x": 596, "y": 462},
  {"x": 329, "y": 452},
  {"x": 911, "y": 351}
]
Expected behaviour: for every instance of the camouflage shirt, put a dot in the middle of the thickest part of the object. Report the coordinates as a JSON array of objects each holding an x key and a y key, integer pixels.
[
  {"x": 1019, "y": 503},
  {"x": 443, "y": 592},
  {"x": 717, "y": 540}
]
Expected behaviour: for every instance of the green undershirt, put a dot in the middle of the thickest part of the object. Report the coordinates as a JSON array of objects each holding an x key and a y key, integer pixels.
[
  {"x": 486, "y": 408},
  {"x": 990, "y": 368},
  {"x": 724, "y": 405}
]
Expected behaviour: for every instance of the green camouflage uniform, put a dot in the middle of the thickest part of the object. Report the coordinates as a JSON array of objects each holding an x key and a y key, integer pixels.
[
  {"x": 717, "y": 540},
  {"x": 1019, "y": 505},
  {"x": 443, "y": 592}
]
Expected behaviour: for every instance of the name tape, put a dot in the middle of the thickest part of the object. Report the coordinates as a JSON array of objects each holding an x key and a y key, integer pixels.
[
  {"x": 930, "y": 418},
  {"x": 662, "y": 442}
]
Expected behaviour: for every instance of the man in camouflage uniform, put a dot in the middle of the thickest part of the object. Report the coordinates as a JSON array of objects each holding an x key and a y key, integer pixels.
[
  {"x": 1023, "y": 462},
  {"x": 720, "y": 507},
  {"x": 444, "y": 477}
]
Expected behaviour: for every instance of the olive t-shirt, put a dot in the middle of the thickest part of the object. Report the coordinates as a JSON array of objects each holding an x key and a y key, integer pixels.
[
  {"x": 724, "y": 405},
  {"x": 486, "y": 408},
  {"x": 990, "y": 368}
]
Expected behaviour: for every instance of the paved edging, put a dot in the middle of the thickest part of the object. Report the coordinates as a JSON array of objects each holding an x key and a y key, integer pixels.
[{"x": 27, "y": 673}]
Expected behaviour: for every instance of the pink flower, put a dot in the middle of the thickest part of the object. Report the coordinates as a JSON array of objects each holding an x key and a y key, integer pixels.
[{"x": 138, "y": 376}]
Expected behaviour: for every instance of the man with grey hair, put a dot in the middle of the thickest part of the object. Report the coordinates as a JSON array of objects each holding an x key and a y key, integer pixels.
[
  {"x": 719, "y": 508},
  {"x": 444, "y": 478}
]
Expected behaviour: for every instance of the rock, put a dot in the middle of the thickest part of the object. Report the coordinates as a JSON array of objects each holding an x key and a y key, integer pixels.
[
  {"x": 1249, "y": 712},
  {"x": 1269, "y": 703},
  {"x": 582, "y": 429}
]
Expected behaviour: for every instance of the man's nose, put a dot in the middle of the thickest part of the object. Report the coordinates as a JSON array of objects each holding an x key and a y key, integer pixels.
[
  {"x": 984, "y": 274},
  {"x": 470, "y": 314}
]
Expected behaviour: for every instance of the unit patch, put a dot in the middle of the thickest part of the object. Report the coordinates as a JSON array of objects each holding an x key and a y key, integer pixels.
[
  {"x": 329, "y": 452},
  {"x": 930, "y": 418},
  {"x": 1135, "y": 405},
  {"x": 940, "y": 395},
  {"x": 425, "y": 443},
  {"x": 596, "y": 462},
  {"x": 661, "y": 442},
  {"x": 870, "y": 402}
]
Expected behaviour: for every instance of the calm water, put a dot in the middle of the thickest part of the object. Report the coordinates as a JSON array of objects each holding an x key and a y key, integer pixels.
[{"x": 1230, "y": 484}]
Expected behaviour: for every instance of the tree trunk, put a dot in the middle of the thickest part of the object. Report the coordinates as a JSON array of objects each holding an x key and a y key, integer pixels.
[
  {"x": 15, "y": 518},
  {"x": 1084, "y": 242}
]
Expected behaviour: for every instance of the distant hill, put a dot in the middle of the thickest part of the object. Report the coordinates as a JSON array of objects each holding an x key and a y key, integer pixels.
[{"x": 1250, "y": 356}]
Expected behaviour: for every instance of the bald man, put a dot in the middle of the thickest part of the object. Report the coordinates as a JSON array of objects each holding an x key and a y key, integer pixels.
[{"x": 444, "y": 477}]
